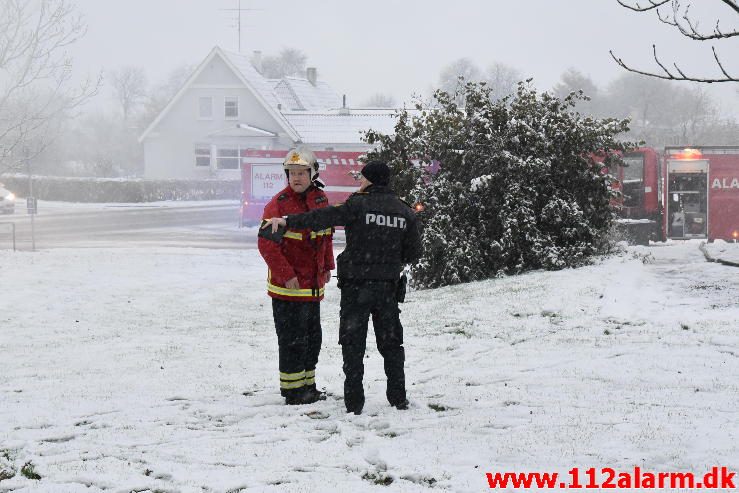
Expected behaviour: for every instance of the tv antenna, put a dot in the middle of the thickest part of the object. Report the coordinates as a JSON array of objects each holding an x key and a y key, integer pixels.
[{"x": 238, "y": 10}]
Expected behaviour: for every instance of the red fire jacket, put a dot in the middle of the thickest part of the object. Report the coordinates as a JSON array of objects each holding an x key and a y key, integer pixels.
[{"x": 303, "y": 253}]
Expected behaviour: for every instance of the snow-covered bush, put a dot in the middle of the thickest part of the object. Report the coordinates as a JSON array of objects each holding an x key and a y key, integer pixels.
[{"x": 520, "y": 182}]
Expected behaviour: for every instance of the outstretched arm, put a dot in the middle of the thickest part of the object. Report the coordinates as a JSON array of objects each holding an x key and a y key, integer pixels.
[{"x": 317, "y": 219}]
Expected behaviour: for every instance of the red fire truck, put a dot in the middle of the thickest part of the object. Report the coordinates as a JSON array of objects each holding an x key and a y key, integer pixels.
[
  {"x": 690, "y": 193},
  {"x": 639, "y": 205},
  {"x": 639, "y": 183},
  {"x": 262, "y": 176},
  {"x": 701, "y": 193}
]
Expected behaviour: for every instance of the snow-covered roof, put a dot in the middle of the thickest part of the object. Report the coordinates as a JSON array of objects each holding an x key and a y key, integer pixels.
[
  {"x": 288, "y": 93},
  {"x": 301, "y": 95},
  {"x": 340, "y": 127},
  {"x": 256, "y": 80},
  {"x": 253, "y": 80},
  {"x": 308, "y": 112}
]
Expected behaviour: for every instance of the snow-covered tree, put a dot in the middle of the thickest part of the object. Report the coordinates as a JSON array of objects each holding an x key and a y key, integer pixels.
[
  {"x": 455, "y": 73},
  {"x": 129, "y": 88},
  {"x": 519, "y": 186},
  {"x": 36, "y": 88},
  {"x": 502, "y": 79},
  {"x": 666, "y": 113},
  {"x": 162, "y": 93},
  {"x": 572, "y": 80},
  {"x": 380, "y": 100},
  {"x": 290, "y": 62},
  {"x": 104, "y": 142}
]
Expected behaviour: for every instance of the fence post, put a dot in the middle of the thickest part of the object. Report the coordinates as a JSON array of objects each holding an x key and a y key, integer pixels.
[{"x": 12, "y": 227}]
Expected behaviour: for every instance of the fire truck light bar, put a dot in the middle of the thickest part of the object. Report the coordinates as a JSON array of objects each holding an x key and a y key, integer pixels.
[{"x": 688, "y": 154}]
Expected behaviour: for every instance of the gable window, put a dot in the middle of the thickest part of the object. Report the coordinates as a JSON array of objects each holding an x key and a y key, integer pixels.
[
  {"x": 205, "y": 108},
  {"x": 231, "y": 107},
  {"x": 202, "y": 155},
  {"x": 227, "y": 158}
]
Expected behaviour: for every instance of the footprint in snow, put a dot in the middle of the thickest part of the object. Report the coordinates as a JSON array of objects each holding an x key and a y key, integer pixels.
[{"x": 354, "y": 441}]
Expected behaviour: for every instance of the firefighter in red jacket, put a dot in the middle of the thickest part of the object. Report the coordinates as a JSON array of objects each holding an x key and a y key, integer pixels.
[{"x": 300, "y": 265}]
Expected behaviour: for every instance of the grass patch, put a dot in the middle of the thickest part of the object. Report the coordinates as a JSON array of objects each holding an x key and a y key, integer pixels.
[
  {"x": 422, "y": 480},
  {"x": 29, "y": 470},
  {"x": 459, "y": 328},
  {"x": 377, "y": 478},
  {"x": 7, "y": 470}
]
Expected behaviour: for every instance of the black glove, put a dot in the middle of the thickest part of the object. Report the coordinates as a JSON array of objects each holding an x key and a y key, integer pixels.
[
  {"x": 268, "y": 234},
  {"x": 400, "y": 289}
]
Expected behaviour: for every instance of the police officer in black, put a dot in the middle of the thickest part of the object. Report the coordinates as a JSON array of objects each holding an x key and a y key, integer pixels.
[{"x": 382, "y": 235}]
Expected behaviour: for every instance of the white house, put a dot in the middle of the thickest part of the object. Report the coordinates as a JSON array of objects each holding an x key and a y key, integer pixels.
[{"x": 227, "y": 106}]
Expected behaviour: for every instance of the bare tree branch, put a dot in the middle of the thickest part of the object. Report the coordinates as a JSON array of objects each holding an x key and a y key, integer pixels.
[
  {"x": 689, "y": 28},
  {"x": 638, "y": 8},
  {"x": 680, "y": 18},
  {"x": 681, "y": 75},
  {"x": 36, "y": 87},
  {"x": 129, "y": 85}
]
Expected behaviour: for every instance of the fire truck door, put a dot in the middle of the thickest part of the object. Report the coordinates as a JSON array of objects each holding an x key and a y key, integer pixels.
[{"x": 687, "y": 199}]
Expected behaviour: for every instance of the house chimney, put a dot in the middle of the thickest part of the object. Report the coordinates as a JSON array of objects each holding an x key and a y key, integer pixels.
[
  {"x": 256, "y": 60},
  {"x": 344, "y": 110},
  {"x": 311, "y": 73}
]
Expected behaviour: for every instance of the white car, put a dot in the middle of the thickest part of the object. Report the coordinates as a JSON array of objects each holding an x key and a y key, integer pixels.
[{"x": 7, "y": 200}]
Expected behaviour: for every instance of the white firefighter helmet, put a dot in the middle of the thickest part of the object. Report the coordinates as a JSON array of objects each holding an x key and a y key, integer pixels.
[{"x": 301, "y": 157}]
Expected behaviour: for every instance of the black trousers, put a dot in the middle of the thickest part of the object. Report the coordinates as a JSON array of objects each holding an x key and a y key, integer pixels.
[
  {"x": 298, "y": 327},
  {"x": 359, "y": 300}
]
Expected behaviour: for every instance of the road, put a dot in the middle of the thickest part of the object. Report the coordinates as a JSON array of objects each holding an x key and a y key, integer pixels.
[{"x": 59, "y": 225}]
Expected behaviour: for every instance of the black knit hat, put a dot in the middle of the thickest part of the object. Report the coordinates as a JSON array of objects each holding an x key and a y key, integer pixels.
[{"x": 377, "y": 172}]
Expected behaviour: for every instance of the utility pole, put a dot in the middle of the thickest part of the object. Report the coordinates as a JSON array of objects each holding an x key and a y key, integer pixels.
[{"x": 238, "y": 11}]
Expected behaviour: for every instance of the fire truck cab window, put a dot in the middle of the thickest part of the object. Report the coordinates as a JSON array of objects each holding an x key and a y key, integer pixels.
[{"x": 633, "y": 182}]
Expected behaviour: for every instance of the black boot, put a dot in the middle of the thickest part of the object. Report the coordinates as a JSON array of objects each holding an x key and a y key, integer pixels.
[
  {"x": 294, "y": 397},
  {"x": 312, "y": 394},
  {"x": 402, "y": 405}
]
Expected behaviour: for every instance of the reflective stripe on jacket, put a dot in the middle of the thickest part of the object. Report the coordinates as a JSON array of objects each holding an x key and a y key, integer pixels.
[{"x": 303, "y": 253}]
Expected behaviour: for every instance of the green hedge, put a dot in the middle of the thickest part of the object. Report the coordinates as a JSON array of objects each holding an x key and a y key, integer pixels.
[{"x": 121, "y": 190}]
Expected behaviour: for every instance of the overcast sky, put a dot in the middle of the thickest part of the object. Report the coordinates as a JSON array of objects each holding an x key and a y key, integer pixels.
[{"x": 396, "y": 46}]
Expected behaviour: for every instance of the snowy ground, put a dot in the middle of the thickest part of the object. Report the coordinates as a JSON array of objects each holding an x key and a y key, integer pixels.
[
  {"x": 155, "y": 370},
  {"x": 723, "y": 250}
]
